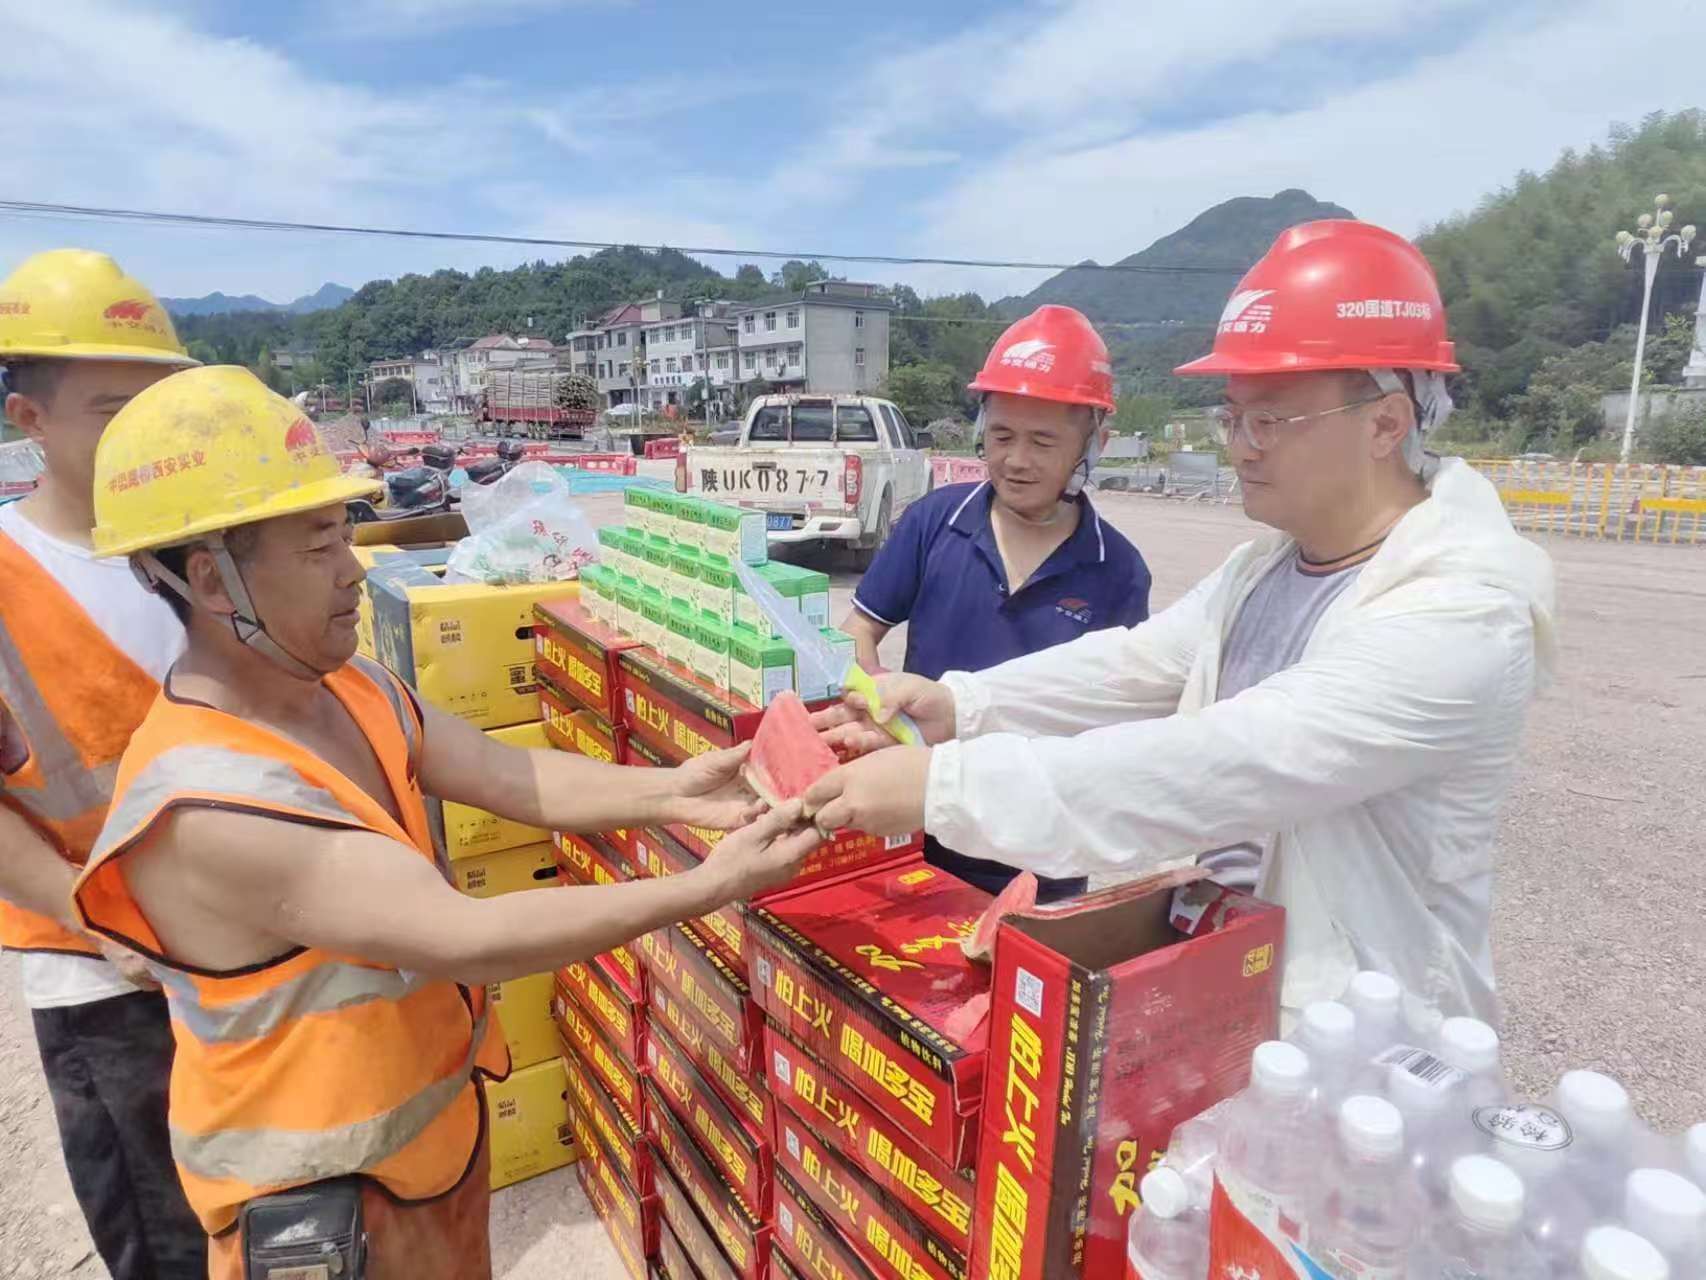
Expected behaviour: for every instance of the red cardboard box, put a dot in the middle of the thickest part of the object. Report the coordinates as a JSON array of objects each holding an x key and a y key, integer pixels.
[
  {"x": 890, "y": 1240},
  {"x": 586, "y": 860},
  {"x": 865, "y": 973},
  {"x": 744, "y": 1239},
  {"x": 717, "y": 996},
  {"x": 572, "y": 727},
  {"x": 938, "y": 1196},
  {"x": 740, "y": 1152},
  {"x": 630, "y": 1222},
  {"x": 618, "y": 1133},
  {"x": 686, "y": 1231},
  {"x": 1108, "y": 1026},
  {"x": 620, "y": 1078},
  {"x": 847, "y": 852},
  {"x": 781, "y": 1268},
  {"x": 741, "y": 1090},
  {"x": 807, "y": 1240},
  {"x": 658, "y": 854},
  {"x": 579, "y": 655},
  {"x": 612, "y": 1009},
  {"x": 677, "y": 713}
]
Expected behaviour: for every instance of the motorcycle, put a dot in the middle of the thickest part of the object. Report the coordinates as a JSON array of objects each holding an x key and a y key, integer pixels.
[
  {"x": 488, "y": 471},
  {"x": 413, "y": 491}
]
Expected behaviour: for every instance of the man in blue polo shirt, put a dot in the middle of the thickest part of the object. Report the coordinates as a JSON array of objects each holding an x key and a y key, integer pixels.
[{"x": 983, "y": 573}]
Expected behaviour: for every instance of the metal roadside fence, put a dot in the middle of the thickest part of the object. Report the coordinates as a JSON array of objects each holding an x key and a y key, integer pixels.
[{"x": 1619, "y": 502}]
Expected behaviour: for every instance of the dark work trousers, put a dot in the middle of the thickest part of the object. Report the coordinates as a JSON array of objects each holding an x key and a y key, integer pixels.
[
  {"x": 993, "y": 877},
  {"x": 107, "y": 1065}
]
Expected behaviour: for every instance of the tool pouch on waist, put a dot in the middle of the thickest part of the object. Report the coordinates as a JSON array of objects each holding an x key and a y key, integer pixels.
[{"x": 310, "y": 1233}]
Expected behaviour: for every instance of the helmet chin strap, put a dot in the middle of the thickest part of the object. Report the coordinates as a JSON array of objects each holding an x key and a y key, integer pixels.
[{"x": 245, "y": 622}]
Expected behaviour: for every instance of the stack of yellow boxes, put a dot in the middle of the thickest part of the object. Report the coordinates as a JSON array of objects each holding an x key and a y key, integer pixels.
[{"x": 468, "y": 649}]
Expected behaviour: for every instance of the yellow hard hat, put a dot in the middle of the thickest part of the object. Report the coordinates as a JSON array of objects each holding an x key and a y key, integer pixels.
[
  {"x": 206, "y": 450},
  {"x": 73, "y": 304}
]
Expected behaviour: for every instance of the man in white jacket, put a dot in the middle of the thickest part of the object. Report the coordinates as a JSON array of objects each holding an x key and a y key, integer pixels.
[{"x": 1332, "y": 717}]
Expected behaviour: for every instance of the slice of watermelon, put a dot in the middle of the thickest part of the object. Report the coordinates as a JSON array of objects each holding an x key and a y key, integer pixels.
[
  {"x": 787, "y": 754},
  {"x": 1016, "y": 899}
]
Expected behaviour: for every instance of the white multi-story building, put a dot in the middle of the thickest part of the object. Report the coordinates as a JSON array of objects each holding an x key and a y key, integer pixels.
[
  {"x": 831, "y": 337},
  {"x": 687, "y": 350},
  {"x": 430, "y": 376},
  {"x": 621, "y": 343},
  {"x": 467, "y": 363}
]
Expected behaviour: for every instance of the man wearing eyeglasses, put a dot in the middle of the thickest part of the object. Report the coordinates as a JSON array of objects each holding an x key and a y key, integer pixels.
[{"x": 1332, "y": 717}]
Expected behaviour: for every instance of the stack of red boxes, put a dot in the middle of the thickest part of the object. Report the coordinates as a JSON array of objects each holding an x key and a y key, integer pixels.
[{"x": 662, "y": 1037}]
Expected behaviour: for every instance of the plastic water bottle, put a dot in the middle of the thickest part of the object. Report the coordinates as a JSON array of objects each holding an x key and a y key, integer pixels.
[
  {"x": 1168, "y": 1237},
  {"x": 1480, "y": 1236},
  {"x": 1194, "y": 1148},
  {"x": 1472, "y": 1047},
  {"x": 1614, "y": 1253},
  {"x": 1270, "y": 1158},
  {"x": 1367, "y": 1220},
  {"x": 1430, "y": 1099},
  {"x": 1328, "y": 1034},
  {"x": 1669, "y": 1211},
  {"x": 1603, "y": 1120},
  {"x": 1377, "y": 1001}
]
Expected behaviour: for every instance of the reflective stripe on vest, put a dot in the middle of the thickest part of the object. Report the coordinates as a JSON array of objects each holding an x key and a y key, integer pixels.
[
  {"x": 282, "y": 1157},
  {"x": 308, "y": 1065},
  {"x": 74, "y": 699}
]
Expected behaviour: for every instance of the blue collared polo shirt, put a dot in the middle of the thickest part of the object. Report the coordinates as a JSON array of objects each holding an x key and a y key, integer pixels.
[{"x": 941, "y": 573}]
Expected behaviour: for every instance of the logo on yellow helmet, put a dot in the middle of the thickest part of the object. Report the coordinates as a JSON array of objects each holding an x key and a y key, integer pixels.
[{"x": 134, "y": 313}]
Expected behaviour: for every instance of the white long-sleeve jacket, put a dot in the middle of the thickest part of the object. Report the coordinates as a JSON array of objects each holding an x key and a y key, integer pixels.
[{"x": 1372, "y": 771}]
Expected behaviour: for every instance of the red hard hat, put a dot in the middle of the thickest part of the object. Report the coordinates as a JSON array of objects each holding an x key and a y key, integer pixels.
[
  {"x": 1335, "y": 294},
  {"x": 1052, "y": 354}
]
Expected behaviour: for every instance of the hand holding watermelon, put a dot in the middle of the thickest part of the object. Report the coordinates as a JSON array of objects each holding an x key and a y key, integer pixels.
[
  {"x": 762, "y": 855},
  {"x": 881, "y": 793},
  {"x": 707, "y": 792}
]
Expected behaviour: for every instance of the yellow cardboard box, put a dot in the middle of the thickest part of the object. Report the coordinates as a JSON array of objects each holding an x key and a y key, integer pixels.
[
  {"x": 466, "y": 832},
  {"x": 375, "y": 560},
  {"x": 465, "y": 647},
  {"x": 529, "y": 1123},
  {"x": 487, "y": 875},
  {"x": 524, "y": 1008}
]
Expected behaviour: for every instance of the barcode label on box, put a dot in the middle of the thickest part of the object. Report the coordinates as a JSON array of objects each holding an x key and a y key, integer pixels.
[
  {"x": 1423, "y": 1065},
  {"x": 896, "y": 842},
  {"x": 1028, "y": 992},
  {"x": 784, "y": 1069}
]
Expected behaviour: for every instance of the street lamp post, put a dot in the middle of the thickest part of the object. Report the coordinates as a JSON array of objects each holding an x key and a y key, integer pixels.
[
  {"x": 1653, "y": 237},
  {"x": 1694, "y": 373}
]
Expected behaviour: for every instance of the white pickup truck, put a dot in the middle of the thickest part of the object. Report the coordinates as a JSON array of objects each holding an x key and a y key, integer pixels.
[{"x": 821, "y": 468}]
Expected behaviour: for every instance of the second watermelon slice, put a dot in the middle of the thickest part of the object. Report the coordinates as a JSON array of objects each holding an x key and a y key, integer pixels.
[{"x": 787, "y": 754}]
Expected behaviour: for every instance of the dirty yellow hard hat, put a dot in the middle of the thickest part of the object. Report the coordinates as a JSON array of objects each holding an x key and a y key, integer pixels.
[
  {"x": 74, "y": 304},
  {"x": 206, "y": 450}
]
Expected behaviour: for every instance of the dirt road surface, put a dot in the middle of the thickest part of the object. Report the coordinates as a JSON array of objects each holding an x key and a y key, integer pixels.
[{"x": 1600, "y": 927}]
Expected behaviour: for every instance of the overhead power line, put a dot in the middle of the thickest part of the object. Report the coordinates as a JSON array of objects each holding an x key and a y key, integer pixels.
[{"x": 32, "y": 208}]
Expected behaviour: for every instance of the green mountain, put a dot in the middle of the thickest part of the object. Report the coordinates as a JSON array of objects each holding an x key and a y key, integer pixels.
[{"x": 1223, "y": 240}]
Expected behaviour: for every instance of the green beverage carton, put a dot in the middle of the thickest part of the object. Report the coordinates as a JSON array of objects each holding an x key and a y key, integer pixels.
[
  {"x": 736, "y": 533},
  {"x": 680, "y": 623},
  {"x": 638, "y": 504},
  {"x": 711, "y": 650},
  {"x": 808, "y": 589},
  {"x": 760, "y": 668},
  {"x": 654, "y": 617},
  {"x": 690, "y": 522},
  {"x": 845, "y": 652},
  {"x": 627, "y": 613},
  {"x": 717, "y": 588},
  {"x": 667, "y": 503},
  {"x": 684, "y": 573},
  {"x": 657, "y": 572},
  {"x": 592, "y": 595}
]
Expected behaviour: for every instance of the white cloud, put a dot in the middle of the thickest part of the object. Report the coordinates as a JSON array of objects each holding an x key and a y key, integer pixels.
[{"x": 419, "y": 19}]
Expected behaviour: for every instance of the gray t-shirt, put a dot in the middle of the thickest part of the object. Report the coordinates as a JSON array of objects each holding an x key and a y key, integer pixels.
[{"x": 1269, "y": 634}]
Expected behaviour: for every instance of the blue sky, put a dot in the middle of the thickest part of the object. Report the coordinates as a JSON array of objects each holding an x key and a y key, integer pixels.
[{"x": 1053, "y": 130}]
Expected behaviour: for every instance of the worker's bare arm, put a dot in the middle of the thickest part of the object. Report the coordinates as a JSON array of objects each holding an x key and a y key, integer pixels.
[
  {"x": 562, "y": 791},
  {"x": 278, "y": 884},
  {"x": 32, "y": 874},
  {"x": 867, "y": 634}
]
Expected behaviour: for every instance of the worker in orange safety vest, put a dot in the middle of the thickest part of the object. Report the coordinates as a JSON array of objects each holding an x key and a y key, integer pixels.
[
  {"x": 268, "y": 852},
  {"x": 83, "y": 646}
]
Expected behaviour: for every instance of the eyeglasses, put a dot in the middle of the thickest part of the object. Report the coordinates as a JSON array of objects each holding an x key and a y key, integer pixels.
[{"x": 1261, "y": 428}]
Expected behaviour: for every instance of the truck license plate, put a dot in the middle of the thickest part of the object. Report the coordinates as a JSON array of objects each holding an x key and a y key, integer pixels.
[{"x": 781, "y": 522}]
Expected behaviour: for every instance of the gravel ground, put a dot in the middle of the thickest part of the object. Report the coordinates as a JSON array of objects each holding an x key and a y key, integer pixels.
[{"x": 1599, "y": 927}]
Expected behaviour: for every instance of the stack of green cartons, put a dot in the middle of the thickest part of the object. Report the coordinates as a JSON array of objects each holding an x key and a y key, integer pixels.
[{"x": 669, "y": 579}]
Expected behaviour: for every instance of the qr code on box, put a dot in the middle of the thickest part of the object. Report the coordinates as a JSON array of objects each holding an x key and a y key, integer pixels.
[
  {"x": 793, "y": 1141},
  {"x": 1028, "y": 992},
  {"x": 762, "y": 965},
  {"x": 784, "y": 1070},
  {"x": 787, "y": 1217}
]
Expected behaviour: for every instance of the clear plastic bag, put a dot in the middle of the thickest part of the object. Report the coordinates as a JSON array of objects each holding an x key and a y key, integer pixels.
[{"x": 524, "y": 528}]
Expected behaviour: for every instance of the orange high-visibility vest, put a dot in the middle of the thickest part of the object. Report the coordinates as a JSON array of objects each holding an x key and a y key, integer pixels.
[
  {"x": 310, "y": 1065},
  {"x": 76, "y": 698}
]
